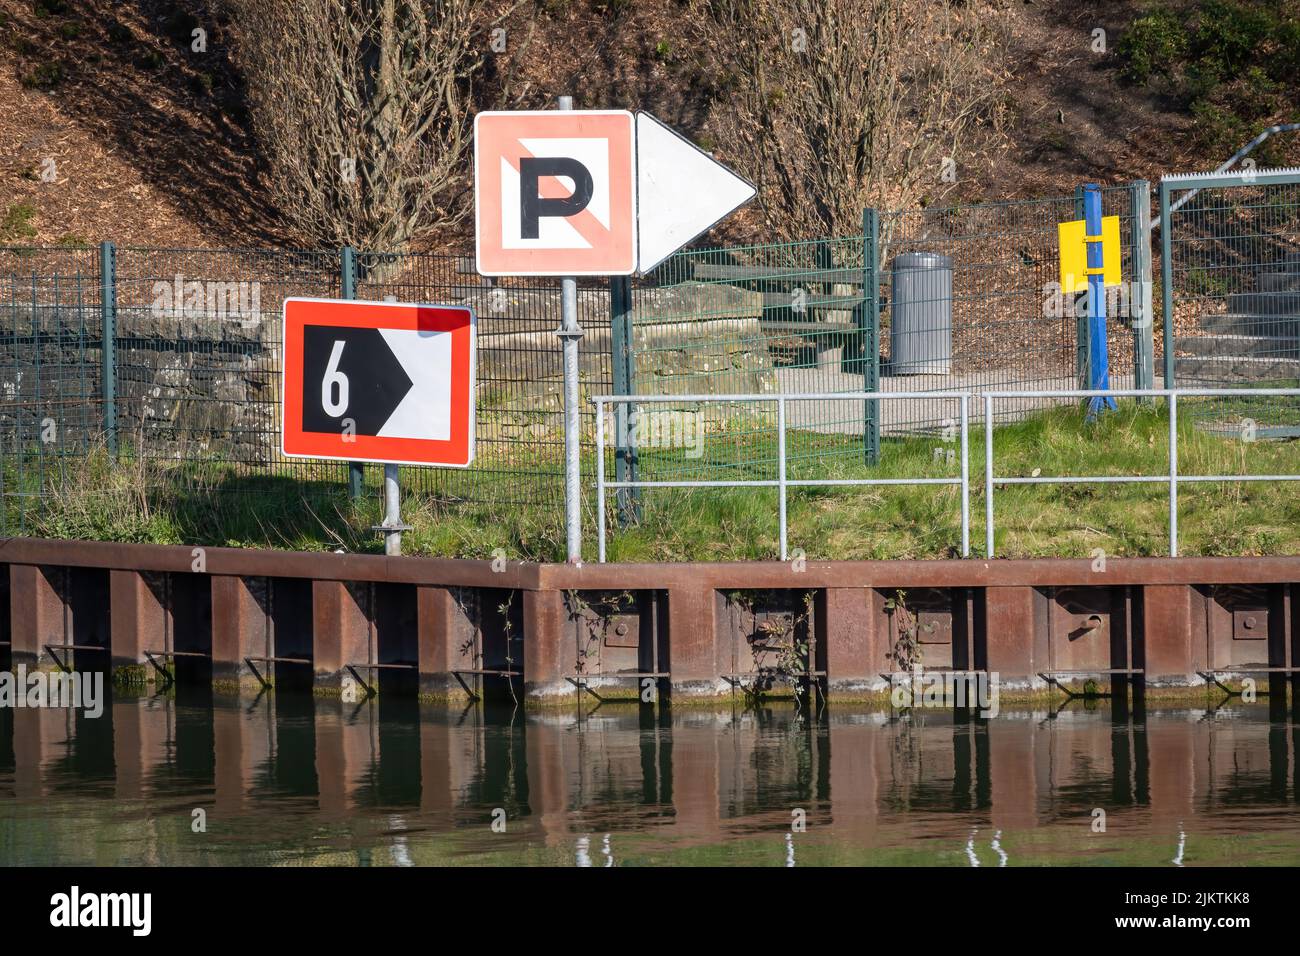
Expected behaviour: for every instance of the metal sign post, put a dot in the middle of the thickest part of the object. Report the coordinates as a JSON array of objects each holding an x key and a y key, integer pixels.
[
  {"x": 392, "y": 527},
  {"x": 570, "y": 334},
  {"x": 1099, "y": 361},
  {"x": 384, "y": 382},
  {"x": 569, "y": 192},
  {"x": 1090, "y": 262}
]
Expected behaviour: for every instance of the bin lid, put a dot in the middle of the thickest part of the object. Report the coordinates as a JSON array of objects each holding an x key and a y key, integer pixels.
[{"x": 922, "y": 260}]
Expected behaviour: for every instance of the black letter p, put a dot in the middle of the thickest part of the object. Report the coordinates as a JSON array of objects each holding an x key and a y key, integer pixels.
[{"x": 532, "y": 206}]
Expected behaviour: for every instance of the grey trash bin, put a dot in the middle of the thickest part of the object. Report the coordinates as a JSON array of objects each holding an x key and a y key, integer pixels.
[{"x": 920, "y": 328}]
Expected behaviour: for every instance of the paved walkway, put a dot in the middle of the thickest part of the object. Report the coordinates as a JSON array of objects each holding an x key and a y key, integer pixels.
[{"x": 904, "y": 415}]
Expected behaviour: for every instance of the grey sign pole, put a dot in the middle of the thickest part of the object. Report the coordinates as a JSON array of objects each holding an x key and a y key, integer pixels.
[
  {"x": 570, "y": 334},
  {"x": 392, "y": 527}
]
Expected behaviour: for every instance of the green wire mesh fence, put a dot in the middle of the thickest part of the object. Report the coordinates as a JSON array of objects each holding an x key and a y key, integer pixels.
[
  {"x": 189, "y": 372},
  {"x": 520, "y": 439},
  {"x": 51, "y": 372},
  {"x": 1231, "y": 275},
  {"x": 1010, "y": 327},
  {"x": 748, "y": 320},
  {"x": 857, "y": 314}
]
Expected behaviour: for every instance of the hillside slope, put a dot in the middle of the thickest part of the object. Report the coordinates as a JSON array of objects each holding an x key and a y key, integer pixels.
[{"x": 116, "y": 128}]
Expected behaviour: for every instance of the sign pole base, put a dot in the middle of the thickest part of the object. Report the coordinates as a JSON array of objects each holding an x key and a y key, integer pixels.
[{"x": 392, "y": 527}]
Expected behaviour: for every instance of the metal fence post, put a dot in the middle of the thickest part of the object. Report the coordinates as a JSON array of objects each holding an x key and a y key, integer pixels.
[
  {"x": 348, "y": 290},
  {"x": 1140, "y": 298},
  {"x": 1167, "y": 284},
  {"x": 623, "y": 362},
  {"x": 1083, "y": 359},
  {"x": 108, "y": 321},
  {"x": 869, "y": 317}
]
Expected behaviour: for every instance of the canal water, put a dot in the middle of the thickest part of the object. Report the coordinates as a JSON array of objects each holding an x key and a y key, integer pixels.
[{"x": 289, "y": 779}]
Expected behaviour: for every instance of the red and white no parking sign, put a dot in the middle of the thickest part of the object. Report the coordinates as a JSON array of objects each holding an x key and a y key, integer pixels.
[
  {"x": 555, "y": 193},
  {"x": 599, "y": 192}
]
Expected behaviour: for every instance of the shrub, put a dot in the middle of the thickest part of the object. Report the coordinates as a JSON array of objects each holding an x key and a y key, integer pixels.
[{"x": 1152, "y": 44}]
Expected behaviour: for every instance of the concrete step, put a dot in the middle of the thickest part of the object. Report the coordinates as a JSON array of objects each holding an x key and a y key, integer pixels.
[
  {"x": 1229, "y": 370},
  {"x": 1222, "y": 346},
  {"x": 1279, "y": 281},
  {"x": 1266, "y": 303},
  {"x": 1250, "y": 323}
]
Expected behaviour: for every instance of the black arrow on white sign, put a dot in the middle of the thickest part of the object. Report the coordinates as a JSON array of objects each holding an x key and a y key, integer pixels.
[{"x": 350, "y": 376}]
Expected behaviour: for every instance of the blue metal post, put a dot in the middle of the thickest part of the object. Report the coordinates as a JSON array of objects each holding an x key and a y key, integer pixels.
[
  {"x": 1081, "y": 361},
  {"x": 1099, "y": 360}
]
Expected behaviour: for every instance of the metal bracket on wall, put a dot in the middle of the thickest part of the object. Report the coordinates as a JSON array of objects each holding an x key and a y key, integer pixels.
[
  {"x": 1053, "y": 678},
  {"x": 580, "y": 681},
  {"x": 252, "y": 663},
  {"x": 1212, "y": 677},
  {"x": 508, "y": 675},
  {"x": 370, "y": 691},
  {"x": 809, "y": 680},
  {"x": 63, "y": 665},
  {"x": 151, "y": 655}
]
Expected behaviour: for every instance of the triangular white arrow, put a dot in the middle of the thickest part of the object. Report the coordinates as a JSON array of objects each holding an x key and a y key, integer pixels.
[
  {"x": 425, "y": 412},
  {"x": 681, "y": 191}
]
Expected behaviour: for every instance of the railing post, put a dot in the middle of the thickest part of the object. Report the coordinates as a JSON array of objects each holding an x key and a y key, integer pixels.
[
  {"x": 1173, "y": 475},
  {"x": 869, "y": 317},
  {"x": 108, "y": 321},
  {"x": 1167, "y": 284},
  {"x": 1144, "y": 375},
  {"x": 988, "y": 475},
  {"x": 600, "y": 479},
  {"x": 348, "y": 290},
  {"x": 965, "y": 475},
  {"x": 623, "y": 362},
  {"x": 780, "y": 453}
]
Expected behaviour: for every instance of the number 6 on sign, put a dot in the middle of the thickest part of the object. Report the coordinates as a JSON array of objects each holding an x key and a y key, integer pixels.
[
  {"x": 403, "y": 375},
  {"x": 334, "y": 380}
]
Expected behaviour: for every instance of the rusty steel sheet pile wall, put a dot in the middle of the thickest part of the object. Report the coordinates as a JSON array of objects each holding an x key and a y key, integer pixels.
[{"x": 513, "y": 631}]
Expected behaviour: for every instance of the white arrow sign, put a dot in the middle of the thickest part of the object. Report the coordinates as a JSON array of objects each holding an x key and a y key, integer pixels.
[
  {"x": 595, "y": 192},
  {"x": 681, "y": 191},
  {"x": 425, "y": 411}
]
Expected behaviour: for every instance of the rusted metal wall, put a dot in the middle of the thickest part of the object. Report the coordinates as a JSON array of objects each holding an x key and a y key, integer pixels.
[{"x": 477, "y": 628}]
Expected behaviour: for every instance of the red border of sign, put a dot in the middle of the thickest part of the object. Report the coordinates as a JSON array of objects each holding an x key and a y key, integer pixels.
[
  {"x": 497, "y": 132},
  {"x": 455, "y": 452}
]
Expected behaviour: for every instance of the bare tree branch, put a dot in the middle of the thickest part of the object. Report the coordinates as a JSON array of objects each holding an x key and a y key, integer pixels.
[
  {"x": 363, "y": 109},
  {"x": 842, "y": 104}
]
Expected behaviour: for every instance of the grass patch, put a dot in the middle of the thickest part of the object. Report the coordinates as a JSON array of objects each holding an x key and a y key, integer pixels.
[
  {"x": 16, "y": 223},
  {"x": 179, "y": 502}
]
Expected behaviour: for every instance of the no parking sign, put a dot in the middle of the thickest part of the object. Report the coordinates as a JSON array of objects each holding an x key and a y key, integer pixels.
[{"x": 591, "y": 192}]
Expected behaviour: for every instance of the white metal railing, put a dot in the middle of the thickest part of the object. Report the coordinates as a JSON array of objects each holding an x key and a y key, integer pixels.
[
  {"x": 1172, "y": 478},
  {"x": 782, "y": 483}
]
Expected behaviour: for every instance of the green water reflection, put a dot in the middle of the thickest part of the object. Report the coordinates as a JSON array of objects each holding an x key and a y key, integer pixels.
[{"x": 287, "y": 779}]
